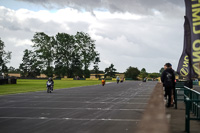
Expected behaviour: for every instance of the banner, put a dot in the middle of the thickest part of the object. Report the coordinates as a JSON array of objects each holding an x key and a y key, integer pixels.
[
  {"x": 193, "y": 15},
  {"x": 184, "y": 62}
]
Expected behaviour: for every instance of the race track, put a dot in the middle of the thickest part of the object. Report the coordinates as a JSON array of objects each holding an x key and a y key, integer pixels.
[{"x": 114, "y": 108}]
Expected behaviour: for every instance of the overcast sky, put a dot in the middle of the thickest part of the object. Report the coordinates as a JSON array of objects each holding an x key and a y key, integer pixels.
[{"x": 138, "y": 33}]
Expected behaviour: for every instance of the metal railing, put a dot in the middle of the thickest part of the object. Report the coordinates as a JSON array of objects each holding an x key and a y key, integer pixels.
[
  {"x": 179, "y": 93},
  {"x": 192, "y": 103}
]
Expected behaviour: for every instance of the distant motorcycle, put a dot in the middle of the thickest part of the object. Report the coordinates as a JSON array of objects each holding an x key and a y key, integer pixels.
[
  {"x": 49, "y": 86},
  {"x": 103, "y": 82}
]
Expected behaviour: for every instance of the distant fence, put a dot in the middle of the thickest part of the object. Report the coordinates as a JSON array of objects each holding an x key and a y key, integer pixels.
[
  {"x": 67, "y": 79},
  {"x": 8, "y": 81},
  {"x": 92, "y": 79},
  {"x": 3, "y": 81}
]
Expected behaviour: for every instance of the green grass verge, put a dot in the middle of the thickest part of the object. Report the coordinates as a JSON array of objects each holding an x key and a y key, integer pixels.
[{"x": 26, "y": 85}]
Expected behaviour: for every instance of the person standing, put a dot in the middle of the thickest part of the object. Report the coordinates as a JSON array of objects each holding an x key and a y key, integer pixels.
[
  {"x": 3, "y": 75},
  {"x": 168, "y": 80},
  {"x": 173, "y": 90},
  {"x": 165, "y": 95},
  {"x": 145, "y": 79},
  {"x": 117, "y": 79}
]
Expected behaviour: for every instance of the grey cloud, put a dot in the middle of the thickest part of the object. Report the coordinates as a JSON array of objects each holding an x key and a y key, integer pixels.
[
  {"x": 78, "y": 26},
  {"x": 10, "y": 21},
  {"x": 133, "y": 6},
  {"x": 148, "y": 33},
  {"x": 12, "y": 30},
  {"x": 159, "y": 39}
]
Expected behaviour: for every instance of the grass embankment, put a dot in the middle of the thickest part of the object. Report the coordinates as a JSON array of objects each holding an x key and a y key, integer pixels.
[{"x": 26, "y": 85}]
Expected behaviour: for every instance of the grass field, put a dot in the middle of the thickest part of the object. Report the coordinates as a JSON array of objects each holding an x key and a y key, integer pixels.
[{"x": 26, "y": 85}]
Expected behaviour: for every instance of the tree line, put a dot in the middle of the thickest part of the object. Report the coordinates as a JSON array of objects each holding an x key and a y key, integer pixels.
[
  {"x": 64, "y": 55},
  {"x": 4, "y": 57}
]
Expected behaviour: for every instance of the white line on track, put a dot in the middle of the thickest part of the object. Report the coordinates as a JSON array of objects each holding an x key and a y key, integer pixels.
[
  {"x": 105, "y": 109},
  {"x": 66, "y": 95},
  {"x": 116, "y": 98},
  {"x": 71, "y": 119},
  {"x": 77, "y": 102}
]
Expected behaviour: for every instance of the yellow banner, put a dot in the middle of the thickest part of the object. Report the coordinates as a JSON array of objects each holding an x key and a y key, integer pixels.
[
  {"x": 91, "y": 79},
  {"x": 67, "y": 79}
]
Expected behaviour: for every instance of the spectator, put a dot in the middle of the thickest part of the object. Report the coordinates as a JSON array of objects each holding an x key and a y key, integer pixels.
[
  {"x": 122, "y": 80},
  {"x": 117, "y": 79},
  {"x": 3, "y": 75},
  {"x": 168, "y": 80},
  {"x": 173, "y": 90},
  {"x": 165, "y": 95},
  {"x": 145, "y": 79}
]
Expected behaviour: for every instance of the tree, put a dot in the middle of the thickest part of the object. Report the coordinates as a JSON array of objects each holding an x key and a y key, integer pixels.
[
  {"x": 132, "y": 72},
  {"x": 110, "y": 71},
  {"x": 76, "y": 66},
  {"x": 4, "y": 57},
  {"x": 60, "y": 70},
  {"x": 66, "y": 53},
  {"x": 71, "y": 55},
  {"x": 161, "y": 70},
  {"x": 13, "y": 70},
  {"x": 96, "y": 66},
  {"x": 143, "y": 73},
  {"x": 154, "y": 75},
  {"x": 86, "y": 50},
  {"x": 30, "y": 66},
  {"x": 44, "y": 49}
]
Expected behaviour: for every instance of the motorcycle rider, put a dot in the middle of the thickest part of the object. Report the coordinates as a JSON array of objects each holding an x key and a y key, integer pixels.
[
  {"x": 103, "y": 81},
  {"x": 51, "y": 82},
  {"x": 122, "y": 80}
]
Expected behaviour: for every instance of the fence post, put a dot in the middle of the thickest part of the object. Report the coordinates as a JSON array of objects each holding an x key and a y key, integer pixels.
[
  {"x": 175, "y": 98},
  {"x": 198, "y": 107},
  {"x": 187, "y": 116}
]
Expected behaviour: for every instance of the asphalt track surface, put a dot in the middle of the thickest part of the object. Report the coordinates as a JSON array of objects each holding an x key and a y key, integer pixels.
[{"x": 114, "y": 108}]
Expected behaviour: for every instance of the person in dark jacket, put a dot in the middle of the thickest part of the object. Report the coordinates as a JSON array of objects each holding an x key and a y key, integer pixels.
[
  {"x": 168, "y": 80},
  {"x": 173, "y": 90},
  {"x": 165, "y": 95}
]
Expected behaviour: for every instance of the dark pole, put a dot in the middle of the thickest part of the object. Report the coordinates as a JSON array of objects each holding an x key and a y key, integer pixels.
[{"x": 190, "y": 82}]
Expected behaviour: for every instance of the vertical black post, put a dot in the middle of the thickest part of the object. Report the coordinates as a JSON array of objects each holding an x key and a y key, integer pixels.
[
  {"x": 175, "y": 95},
  {"x": 190, "y": 82},
  {"x": 187, "y": 116}
]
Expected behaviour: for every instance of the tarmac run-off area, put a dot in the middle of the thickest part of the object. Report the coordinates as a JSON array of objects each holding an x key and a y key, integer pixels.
[{"x": 113, "y": 108}]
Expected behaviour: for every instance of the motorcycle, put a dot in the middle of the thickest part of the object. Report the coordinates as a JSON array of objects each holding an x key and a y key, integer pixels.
[
  {"x": 49, "y": 86},
  {"x": 103, "y": 82}
]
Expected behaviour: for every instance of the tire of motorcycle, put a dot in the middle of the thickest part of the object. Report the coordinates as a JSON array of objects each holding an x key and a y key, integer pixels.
[{"x": 48, "y": 90}]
